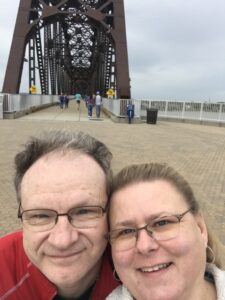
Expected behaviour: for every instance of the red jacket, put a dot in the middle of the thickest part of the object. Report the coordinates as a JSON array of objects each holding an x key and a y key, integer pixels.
[{"x": 21, "y": 280}]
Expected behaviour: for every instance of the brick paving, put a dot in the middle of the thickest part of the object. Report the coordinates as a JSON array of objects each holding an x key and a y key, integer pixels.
[{"x": 197, "y": 151}]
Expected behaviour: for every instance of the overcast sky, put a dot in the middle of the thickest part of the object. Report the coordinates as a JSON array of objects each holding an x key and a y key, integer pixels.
[{"x": 176, "y": 48}]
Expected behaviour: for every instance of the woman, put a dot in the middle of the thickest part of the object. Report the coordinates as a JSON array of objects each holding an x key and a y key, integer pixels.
[
  {"x": 160, "y": 244},
  {"x": 90, "y": 105}
]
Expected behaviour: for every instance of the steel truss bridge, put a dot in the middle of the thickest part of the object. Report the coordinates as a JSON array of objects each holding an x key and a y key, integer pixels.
[{"x": 71, "y": 45}]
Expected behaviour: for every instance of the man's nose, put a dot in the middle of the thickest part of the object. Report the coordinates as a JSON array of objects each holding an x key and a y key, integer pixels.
[{"x": 63, "y": 233}]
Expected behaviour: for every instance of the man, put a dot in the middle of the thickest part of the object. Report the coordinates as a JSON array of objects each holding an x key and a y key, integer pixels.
[
  {"x": 61, "y": 100},
  {"x": 66, "y": 99},
  {"x": 62, "y": 185},
  {"x": 98, "y": 103}
]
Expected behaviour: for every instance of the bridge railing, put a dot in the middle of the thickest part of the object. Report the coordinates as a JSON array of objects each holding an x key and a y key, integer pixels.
[
  {"x": 118, "y": 107},
  {"x": 199, "y": 111},
  {"x": 181, "y": 110},
  {"x": 21, "y": 102}
]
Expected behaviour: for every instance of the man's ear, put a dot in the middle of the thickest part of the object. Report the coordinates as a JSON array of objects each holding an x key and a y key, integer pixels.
[{"x": 202, "y": 227}]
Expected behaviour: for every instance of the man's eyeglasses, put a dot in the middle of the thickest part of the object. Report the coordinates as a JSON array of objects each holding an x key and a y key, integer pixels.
[
  {"x": 45, "y": 219},
  {"x": 161, "y": 229}
]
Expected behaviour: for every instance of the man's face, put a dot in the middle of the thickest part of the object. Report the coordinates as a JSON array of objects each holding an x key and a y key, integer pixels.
[{"x": 68, "y": 257}]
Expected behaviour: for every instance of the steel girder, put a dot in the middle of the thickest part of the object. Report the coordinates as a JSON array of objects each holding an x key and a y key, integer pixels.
[{"x": 73, "y": 45}]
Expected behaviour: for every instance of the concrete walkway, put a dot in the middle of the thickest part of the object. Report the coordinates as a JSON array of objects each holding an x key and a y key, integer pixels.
[
  {"x": 197, "y": 151},
  {"x": 55, "y": 113}
]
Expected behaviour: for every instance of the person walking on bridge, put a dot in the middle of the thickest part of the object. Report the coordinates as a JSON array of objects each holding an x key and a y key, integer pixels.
[
  {"x": 98, "y": 103},
  {"x": 90, "y": 105},
  {"x": 78, "y": 98},
  {"x": 61, "y": 100}
]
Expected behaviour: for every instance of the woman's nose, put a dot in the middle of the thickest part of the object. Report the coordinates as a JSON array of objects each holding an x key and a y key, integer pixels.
[{"x": 146, "y": 242}]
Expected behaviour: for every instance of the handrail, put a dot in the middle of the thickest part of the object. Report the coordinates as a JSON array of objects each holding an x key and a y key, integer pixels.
[{"x": 181, "y": 110}]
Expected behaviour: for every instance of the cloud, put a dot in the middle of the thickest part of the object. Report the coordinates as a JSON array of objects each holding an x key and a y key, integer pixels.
[{"x": 176, "y": 48}]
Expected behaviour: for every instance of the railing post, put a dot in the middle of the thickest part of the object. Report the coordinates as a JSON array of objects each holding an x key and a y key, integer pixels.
[
  {"x": 183, "y": 110},
  {"x": 201, "y": 111},
  {"x": 220, "y": 112},
  {"x": 166, "y": 108}
]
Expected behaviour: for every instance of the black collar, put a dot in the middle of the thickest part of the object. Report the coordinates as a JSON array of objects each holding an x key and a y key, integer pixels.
[{"x": 85, "y": 296}]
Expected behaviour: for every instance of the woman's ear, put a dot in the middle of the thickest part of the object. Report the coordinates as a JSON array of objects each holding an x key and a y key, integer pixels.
[{"x": 202, "y": 227}]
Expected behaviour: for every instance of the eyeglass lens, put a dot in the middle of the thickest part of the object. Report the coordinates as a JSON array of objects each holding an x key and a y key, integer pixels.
[
  {"x": 161, "y": 229},
  {"x": 45, "y": 219}
]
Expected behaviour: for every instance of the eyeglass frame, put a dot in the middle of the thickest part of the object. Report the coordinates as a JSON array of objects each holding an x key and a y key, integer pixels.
[
  {"x": 20, "y": 214},
  {"x": 145, "y": 227}
]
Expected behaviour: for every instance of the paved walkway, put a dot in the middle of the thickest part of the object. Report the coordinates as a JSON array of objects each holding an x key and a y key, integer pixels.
[{"x": 195, "y": 150}]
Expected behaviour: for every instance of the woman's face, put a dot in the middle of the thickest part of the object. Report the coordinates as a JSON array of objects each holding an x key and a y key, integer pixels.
[{"x": 168, "y": 269}]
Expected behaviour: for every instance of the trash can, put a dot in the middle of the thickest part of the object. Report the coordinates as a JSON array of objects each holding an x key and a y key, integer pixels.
[
  {"x": 152, "y": 114},
  {"x": 130, "y": 112}
]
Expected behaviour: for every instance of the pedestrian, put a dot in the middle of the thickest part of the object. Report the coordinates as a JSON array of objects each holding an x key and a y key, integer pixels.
[
  {"x": 98, "y": 103},
  {"x": 90, "y": 105},
  {"x": 61, "y": 100},
  {"x": 62, "y": 186},
  {"x": 78, "y": 98},
  {"x": 66, "y": 100},
  {"x": 161, "y": 245},
  {"x": 85, "y": 99}
]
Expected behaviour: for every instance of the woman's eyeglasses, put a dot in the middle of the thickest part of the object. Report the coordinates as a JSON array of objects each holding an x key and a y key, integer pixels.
[{"x": 161, "y": 229}]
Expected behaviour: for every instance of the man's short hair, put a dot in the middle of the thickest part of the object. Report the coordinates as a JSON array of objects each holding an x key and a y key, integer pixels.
[{"x": 61, "y": 141}]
